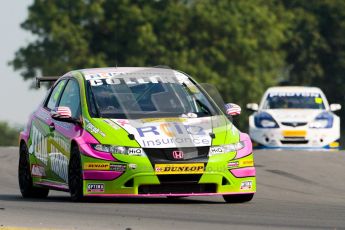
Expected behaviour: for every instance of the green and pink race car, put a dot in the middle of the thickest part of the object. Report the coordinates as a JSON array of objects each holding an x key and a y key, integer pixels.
[{"x": 134, "y": 132}]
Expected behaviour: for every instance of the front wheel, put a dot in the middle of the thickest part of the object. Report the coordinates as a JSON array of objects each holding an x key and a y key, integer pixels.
[
  {"x": 238, "y": 198},
  {"x": 24, "y": 177},
  {"x": 75, "y": 177}
]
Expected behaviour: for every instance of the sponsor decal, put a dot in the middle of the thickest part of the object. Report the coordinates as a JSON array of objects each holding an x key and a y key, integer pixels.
[
  {"x": 216, "y": 150},
  {"x": 294, "y": 133},
  {"x": 122, "y": 122},
  {"x": 105, "y": 166},
  {"x": 171, "y": 130},
  {"x": 97, "y": 166},
  {"x": 132, "y": 166},
  {"x": 318, "y": 100},
  {"x": 241, "y": 163},
  {"x": 193, "y": 132},
  {"x": 95, "y": 187},
  {"x": 38, "y": 171},
  {"x": 114, "y": 79},
  {"x": 118, "y": 167},
  {"x": 62, "y": 144},
  {"x": 38, "y": 145},
  {"x": 59, "y": 165},
  {"x": 246, "y": 163},
  {"x": 168, "y": 119},
  {"x": 91, "y": 128},
  {"x": 233, "y": 164},
  {"x": 112, "y": 124},
  {"x": 176, "y": 141},
  {"x": 197, "y": 168},
  {"x": 135, "y": 151},
  {"x": 293, "y": 94},
  {"x": 246, "y": 185},
  {"x": 177, "y": 155},
  {"x": 176, "y": 133}
]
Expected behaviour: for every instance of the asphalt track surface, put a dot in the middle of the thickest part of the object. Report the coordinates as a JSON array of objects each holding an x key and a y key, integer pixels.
[{"x": 296, "y": 190}]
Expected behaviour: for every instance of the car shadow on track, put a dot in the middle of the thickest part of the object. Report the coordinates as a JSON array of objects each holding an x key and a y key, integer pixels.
[{"x": 134, "y": 200}]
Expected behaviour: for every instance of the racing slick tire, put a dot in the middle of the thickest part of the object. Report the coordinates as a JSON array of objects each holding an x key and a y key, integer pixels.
[
  {"x": 75, "y": 177},
  {"x": 25, "y": 179},
  {"x": 238, "y": 198}
]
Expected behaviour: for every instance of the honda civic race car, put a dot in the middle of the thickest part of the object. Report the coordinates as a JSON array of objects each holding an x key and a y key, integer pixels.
[
  {"x": 294, "y": 117},
  {"x": 134, "y": 132}
]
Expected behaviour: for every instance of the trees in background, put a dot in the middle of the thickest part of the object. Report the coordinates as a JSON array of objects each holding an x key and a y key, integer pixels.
[
  {"x": 242, "y": 47},
  {"x": 9, "y": 135},
  {"x": 316, "y": 48}
]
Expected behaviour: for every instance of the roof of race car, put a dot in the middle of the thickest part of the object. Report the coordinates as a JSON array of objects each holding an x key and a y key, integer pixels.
[{"x": 293, "y": 89}]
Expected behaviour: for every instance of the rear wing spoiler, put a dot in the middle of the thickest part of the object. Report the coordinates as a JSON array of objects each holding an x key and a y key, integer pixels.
[{"x": 45, "y": 79}]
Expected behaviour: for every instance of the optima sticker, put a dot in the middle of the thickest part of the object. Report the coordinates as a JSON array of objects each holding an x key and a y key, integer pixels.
[
  {"x": 95, "y": 187},
  {"x": 179, "y": 168}
]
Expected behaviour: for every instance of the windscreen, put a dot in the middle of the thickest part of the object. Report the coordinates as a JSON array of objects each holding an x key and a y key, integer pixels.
[
  {"x": 294, "y": 100},
  {"x": 141, "y": 95}
]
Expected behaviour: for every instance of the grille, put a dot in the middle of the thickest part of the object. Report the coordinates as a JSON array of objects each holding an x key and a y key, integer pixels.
[
  {"x": 190, "y": 154},
  {"x": 177, "y": 188},
  {"x": 294, "y": 124},
  {"x": 294, "y": 141},
  {"x": 180, "y": 178}
]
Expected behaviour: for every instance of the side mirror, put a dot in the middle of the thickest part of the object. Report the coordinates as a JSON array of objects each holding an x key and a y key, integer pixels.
[
  {"x": 253, "y": 106},
  {"x": 335, "y": 107},
  {"x": 232, "y": 109},
  {"x": 62, "y": 114}
]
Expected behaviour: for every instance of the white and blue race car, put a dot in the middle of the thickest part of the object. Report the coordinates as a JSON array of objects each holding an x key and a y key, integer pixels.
[{"x": 293, "y": 117}]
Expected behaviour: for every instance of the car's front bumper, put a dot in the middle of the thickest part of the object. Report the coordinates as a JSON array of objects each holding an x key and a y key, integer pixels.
[
  {"x": 138, "y": 177},
  {"x": 299, "y": 137}
]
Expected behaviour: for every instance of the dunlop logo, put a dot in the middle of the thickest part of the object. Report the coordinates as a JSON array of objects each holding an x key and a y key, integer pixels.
[
  {"x": 197, "y": 168},
  {"x": 97, "y": 166}
]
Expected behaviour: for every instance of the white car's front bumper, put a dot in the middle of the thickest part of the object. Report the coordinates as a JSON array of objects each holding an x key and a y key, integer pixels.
[{"x": 296, "y": 137}]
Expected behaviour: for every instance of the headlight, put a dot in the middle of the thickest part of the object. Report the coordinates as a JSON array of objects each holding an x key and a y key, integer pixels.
[
  {"x": 119, "y": 150},
  {"x": 215, "y": 150},
  {"x": 265, "y": 120},
  {"x": 323, "y": 121}
]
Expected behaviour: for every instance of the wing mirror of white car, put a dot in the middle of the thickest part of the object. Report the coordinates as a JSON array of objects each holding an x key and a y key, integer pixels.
[
  {"x": 335, "y": 107},
  {"x": 232, "y": 109},
  {"x": 253, "y": 106}
]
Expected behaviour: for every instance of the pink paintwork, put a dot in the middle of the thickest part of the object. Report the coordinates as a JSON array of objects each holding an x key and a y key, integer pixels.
[
  {"x": 248, "y": 146},
  {"x": 166, "y": 194},
  {"x": 60, "y": 187},
  {"x": 87, "y": 150},
  {"x": 84, "y": 142},
  {"x": 243, "y": 172},
  {"x": 101, "y": 175}
]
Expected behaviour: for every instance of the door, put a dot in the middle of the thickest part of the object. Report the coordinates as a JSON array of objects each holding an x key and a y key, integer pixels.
[
  {"x": 62, "y": 133},
  {"x": 40, "y": 133}
]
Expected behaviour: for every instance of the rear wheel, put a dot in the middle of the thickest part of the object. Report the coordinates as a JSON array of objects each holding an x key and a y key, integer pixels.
[
  {"x": 75, "y": 177},
  {"x": 24, "y": 177},
  {"x": 238, "y": 198}
]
